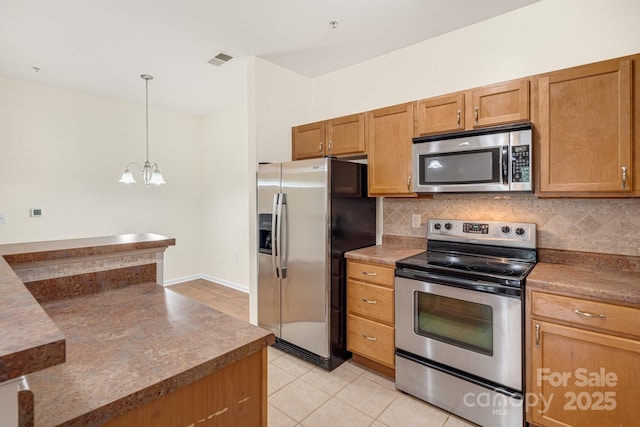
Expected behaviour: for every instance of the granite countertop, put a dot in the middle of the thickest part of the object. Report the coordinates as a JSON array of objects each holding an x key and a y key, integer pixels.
[
  {"x": 385, "y": 254},
  {"x": 616, "y": 286},
  {"x": 72, "y": 248},
  {"x": 29, "y": 340},
  {"x": 128, "y": 346}
]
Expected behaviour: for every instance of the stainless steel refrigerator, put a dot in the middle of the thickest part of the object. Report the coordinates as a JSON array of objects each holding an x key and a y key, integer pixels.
[{"x": 310, "y": 212}]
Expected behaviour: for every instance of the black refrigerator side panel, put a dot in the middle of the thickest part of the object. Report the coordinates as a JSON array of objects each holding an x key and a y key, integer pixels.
[{"x": 353, "y": 226}]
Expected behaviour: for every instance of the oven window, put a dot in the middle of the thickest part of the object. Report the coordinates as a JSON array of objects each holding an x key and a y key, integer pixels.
[
  {"x": 465, "y": 324},
  {"x": 466, "y": 167}
]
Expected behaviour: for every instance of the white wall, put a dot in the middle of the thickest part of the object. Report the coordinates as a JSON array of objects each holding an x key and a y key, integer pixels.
[
  {"x": 278, "y": 99},
  {"x": 225, "y": 197},
  {"x": 545, "y": 36},
  {"x": 64, "y": 151}
]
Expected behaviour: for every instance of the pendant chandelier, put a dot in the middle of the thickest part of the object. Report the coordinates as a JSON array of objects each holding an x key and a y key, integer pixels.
[{"x": 150, "y": 172}]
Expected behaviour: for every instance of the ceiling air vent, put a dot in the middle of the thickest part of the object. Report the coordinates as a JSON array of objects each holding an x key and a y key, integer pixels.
[{"x": 220, "y": 59}]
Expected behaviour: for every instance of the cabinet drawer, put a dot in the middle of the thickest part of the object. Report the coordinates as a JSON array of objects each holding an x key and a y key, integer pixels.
[
  {"x": 593, "y": 314},
  {"x": 372, "y": 340},
  {"x": 371, "y": 273},
  {"x": 372, "y": 301}
]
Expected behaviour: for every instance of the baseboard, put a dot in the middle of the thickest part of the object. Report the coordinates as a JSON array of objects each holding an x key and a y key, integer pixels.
[{"x": 209, "y": 278}]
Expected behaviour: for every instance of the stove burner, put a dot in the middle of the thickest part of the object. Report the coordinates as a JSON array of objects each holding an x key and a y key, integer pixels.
[{"x": 493, "y": 268}]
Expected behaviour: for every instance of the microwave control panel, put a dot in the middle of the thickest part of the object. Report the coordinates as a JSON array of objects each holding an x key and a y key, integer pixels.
[{"x": 520, "y": 163}]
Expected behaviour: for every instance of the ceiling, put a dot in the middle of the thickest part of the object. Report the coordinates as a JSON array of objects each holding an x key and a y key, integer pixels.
[{"x": 102, "y": 46}]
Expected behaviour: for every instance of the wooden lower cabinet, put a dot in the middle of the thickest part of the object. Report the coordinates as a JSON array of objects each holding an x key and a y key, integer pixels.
[
  {"x": 583, "y": 373},
  {"x": 370, "y": 319},
  {"x": 236, "y": 395}
]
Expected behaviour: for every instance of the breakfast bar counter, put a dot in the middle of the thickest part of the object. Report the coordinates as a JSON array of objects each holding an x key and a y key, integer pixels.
[
  {"x": 130, "y": 346},
  {"x": 89, "y": 337}
]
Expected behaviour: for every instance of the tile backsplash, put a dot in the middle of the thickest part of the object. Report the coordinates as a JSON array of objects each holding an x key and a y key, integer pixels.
[{"x": 602, "y": 225}]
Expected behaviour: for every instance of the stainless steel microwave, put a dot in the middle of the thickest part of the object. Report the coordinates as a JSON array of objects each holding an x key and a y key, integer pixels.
[{"x": 484, "y": 160}]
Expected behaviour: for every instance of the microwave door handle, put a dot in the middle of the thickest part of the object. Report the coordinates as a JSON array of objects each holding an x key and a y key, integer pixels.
[
  {"x": 505, "y": 164},
  {"x": 275, "y": 239}
]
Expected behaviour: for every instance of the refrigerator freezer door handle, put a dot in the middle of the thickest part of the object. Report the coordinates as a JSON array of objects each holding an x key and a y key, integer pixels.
[
  {"x": 275, "y": 239},
  {"x": 282, "y": 236}
]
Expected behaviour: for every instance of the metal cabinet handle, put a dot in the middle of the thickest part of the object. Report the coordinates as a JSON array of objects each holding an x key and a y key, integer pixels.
[
  {"x": 330, "y": 147},
  {"x": 537, "y": 335},
  {"x": 370, "y": 338},
  {"x": 477, "y": 112},
  {"x": 409, "y": 183},
  {"x": 320, "y": 149},
  {"x": 587, "y": 314},
  {"x": 458, "y": 117},
  {"x": 624, "y": 177},
  {"x": 369, "y": 301},
  {"x": 369, "y": 273}
]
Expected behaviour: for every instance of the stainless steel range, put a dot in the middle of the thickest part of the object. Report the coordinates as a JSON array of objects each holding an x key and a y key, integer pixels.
[{"x": 459, "y": 319}]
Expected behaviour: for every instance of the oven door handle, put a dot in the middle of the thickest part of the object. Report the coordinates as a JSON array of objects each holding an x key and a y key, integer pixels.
[{"x": 472, "y": 285}]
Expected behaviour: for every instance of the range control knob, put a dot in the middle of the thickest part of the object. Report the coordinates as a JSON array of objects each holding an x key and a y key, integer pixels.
[
  {"x": 437, "y": 226},
  {"x": 520, "y": 231},
  {"x": 506, "y": 229},
  {"x": 448, "y": 226}
]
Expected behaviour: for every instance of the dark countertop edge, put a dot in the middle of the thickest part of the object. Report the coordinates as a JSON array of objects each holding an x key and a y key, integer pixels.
[
  {"x": 27, "y": 356},
  {"x": 60, "y": 249},
  {"x": 141, "y": 397}
]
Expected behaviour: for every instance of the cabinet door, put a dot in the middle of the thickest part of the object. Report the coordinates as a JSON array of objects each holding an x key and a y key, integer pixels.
[
  {"x": 585, "y": 130},
  {"x": 582, "y": 378},
  {"x": 307, "y": 141},
  {"x": 441, "y": 114},
  {"x": 345, "y": 136},
  {"x": 502, "y": 103},
  {"x": 389, "y": 137}
]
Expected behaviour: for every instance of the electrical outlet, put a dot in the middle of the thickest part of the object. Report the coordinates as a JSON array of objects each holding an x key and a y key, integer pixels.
[
  {"x": 35, "y": 212},
  {"x": 3, "y": 218},
  {"x": 415, "y": 220}
]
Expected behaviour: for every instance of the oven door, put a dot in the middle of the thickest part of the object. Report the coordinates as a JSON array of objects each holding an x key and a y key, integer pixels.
[{"x": 475, "y": 332}]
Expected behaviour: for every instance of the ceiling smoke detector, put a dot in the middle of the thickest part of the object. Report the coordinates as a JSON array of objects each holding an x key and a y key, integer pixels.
[{"x": 220, "y": 59}]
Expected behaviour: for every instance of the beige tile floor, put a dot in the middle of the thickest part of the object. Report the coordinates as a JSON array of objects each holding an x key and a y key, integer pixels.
[{"x": 303, "y": 395}]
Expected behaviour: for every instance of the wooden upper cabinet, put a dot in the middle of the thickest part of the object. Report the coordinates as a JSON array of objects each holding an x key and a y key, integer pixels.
[
  {"x": 439, "y": 115},
  {"x": 342, "y": 136},
  {"x": 585, "y": 126},
  {"x": 500, "y": 103},
  {"x": 486, "y": 106},
  {"x": 389, "y": 133},
  {"x": 345, "y": 136},
  {"x": 307, "y": 141}
]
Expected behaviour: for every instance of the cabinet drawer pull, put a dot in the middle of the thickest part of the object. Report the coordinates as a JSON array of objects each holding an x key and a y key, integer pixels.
[
  {"x": 369, "y": 301},
  {"x": 370, "y": 338},
  {"x": 587, "y": 314},
  {"x": 409, "y": 183},
  {"x": 624, "y": 177},
  {"x": 320, "y": 148},
  {"x": 476, "y": 114},
  {"x": 458, "y": 117},
  {"x": 369, "y": 273},
  {"x": 537, "y": 335},
  {"x": 330, "y": 146}
]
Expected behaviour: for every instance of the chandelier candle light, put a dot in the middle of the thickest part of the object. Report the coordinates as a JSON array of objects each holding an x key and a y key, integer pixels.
[{"x": 150, "y": 172}]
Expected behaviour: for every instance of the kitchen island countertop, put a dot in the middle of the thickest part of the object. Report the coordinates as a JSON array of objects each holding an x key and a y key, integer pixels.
[{"x": 129, "y": 346}]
